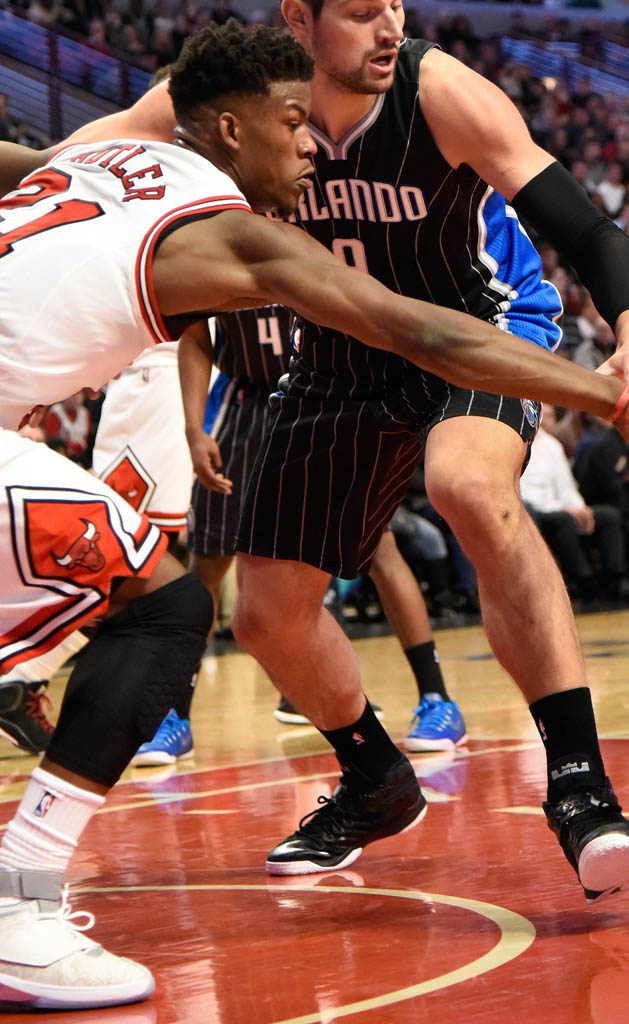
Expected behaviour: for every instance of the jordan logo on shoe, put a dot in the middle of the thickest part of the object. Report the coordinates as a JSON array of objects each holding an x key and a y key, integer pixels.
[
  {"x": 572, "y": 768},
  {"x": 45, "y": 803}
]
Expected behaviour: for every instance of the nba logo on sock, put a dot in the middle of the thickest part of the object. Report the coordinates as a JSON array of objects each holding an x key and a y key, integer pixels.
[
  {"x": 45, "y": 803},
  {"x": 357, "y": 738}
]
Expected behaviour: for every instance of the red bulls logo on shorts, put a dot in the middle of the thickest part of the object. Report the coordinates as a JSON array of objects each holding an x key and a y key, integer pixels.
[
  {"x": 67, "y": 545},
  {"x": 72, "y": 540},
  {"x": 83, "y": 551}
]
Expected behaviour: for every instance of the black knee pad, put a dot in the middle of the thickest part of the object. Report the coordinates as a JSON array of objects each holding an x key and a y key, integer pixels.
[{"x": 128, "y": 677}]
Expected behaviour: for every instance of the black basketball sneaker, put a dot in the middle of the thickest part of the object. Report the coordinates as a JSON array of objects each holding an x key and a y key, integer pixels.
[
  {"x": 594, "y": 836},
  {"x": 22, "y": 717},
  {"x": 333, "y": 835}
]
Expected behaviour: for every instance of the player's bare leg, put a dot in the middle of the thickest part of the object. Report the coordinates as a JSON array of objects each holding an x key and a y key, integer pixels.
[
  {"x": 281, "y": 621},
  {"x": 472, "y": 476},
  {"x": 473, "y": 467}
]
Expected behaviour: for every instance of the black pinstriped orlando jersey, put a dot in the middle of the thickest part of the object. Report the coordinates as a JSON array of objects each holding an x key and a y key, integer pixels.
[
  {"x": 254, "y": 343},
  {"x": 385, "y": 200}
]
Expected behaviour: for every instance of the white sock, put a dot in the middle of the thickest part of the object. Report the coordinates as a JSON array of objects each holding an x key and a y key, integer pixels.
[
  {"x": 47, "y": 664},
  {"x": 47, "y": 825}
]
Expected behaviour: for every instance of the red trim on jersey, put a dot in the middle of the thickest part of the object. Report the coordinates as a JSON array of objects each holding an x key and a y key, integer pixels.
[
  {"x": 167, "y": 522},
  {"x": 147, "y": 250}
]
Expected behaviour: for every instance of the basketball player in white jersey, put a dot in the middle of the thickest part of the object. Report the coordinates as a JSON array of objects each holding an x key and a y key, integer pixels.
[{"x": 132, "y": 242}]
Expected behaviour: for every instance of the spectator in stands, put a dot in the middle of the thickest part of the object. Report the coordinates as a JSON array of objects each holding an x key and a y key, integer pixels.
[
  {"x": 8, "y": 130},
  {"x": 579, "y": 170},
  {"x": 592, "y": 154},
  {"x": 622, "y": 220},
  {"x": 45, "y": 12},
  {"x": 602, "y": 472},
  {"x": 599, "y": 342},
  {"x": 612, "y": 189},
  {"x": 551, "y": 494}
]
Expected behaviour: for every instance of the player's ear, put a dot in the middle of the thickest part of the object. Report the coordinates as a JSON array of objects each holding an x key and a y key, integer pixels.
[
  {"x": 229, "y": 128},
  {"x": 296, "y": 15}
]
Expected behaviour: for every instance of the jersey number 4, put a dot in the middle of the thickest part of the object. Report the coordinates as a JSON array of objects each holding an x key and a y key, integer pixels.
[{"x": 32, "y": 190}]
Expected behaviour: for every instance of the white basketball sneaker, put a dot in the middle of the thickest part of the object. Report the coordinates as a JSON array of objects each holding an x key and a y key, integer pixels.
[{"x": 46, "y": 962}]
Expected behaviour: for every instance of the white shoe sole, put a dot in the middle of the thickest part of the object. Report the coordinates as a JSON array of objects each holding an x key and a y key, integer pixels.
[
  {"x": 416, "y": 745},
  {"x": 604, "y": 862},
  {"x": 26, "y": 994},
  {"x": 290, "y": 718},
  {"x": 309, "y": 867},
  {"x": 154, "y": 758},
  {"x": 294, "y": 718}
]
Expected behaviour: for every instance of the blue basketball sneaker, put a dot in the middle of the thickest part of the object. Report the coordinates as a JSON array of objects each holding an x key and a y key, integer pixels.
[
  {"x": 171, "y": 742},
  {"x": 438, "y": 725}
]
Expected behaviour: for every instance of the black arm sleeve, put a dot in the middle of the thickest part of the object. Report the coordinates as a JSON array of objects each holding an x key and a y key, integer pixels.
[{"x": 558, "y": 208}]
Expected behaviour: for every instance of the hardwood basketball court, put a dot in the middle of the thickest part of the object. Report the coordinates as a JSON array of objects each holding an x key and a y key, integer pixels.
[{"x": 473, "y": 915}]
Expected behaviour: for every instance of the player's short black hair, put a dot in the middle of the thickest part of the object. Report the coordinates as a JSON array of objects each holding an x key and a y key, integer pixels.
[{"x": 223, "y": 60}]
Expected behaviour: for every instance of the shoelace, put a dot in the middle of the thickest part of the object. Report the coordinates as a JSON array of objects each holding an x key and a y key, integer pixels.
[
  {"x": 68, "y": 916},
  {"x": 329, "y": 820},
  {"x": 438, "y": 710},
  {"x": 34, "y": 708}
]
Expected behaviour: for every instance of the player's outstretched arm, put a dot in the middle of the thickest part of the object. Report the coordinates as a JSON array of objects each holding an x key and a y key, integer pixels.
[{"x": 238, "y": 259}]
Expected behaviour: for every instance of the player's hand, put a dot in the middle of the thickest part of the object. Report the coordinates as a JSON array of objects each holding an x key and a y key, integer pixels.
[
  {"x": 617, "y": 365},
  {"x": 207, "y": 462},
  {"x": 583, "y": 516}
]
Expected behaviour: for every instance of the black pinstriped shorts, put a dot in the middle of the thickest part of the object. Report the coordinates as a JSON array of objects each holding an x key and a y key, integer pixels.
[
  {"x": 238, "y": 431},
  {"x": 329, "y": 474}
]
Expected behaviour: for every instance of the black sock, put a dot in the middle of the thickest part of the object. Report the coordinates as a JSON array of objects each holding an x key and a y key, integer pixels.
[
  {"x": 184, "y": 703},
  {"x": 565, "y": 721},
  {"x": 364, "y": 746},
  {"x": 424, "y": 661}
]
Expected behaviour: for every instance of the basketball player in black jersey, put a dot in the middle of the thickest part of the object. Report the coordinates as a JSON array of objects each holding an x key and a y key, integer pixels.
[
  {"x": 415, "y": 154},
  {"x": 253, "y": 349}
]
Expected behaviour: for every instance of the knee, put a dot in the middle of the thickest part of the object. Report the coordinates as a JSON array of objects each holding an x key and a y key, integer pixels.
[
  {"x": 272, "y": 616},
  {"x": 475, "y": 499}
]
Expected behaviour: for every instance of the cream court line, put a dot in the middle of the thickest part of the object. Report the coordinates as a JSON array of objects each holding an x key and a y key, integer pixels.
[{"x": 517, "y": 933}]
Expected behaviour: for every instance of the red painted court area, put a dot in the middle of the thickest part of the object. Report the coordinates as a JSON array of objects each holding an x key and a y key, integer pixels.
[{"x": 472, "y": 915}]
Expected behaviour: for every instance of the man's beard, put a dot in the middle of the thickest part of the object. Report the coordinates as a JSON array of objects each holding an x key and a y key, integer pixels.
[{"x": 359, "y": 80}]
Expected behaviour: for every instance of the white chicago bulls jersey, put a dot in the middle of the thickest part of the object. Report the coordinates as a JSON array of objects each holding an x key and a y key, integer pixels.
[{"x": 77, "y": 241}]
